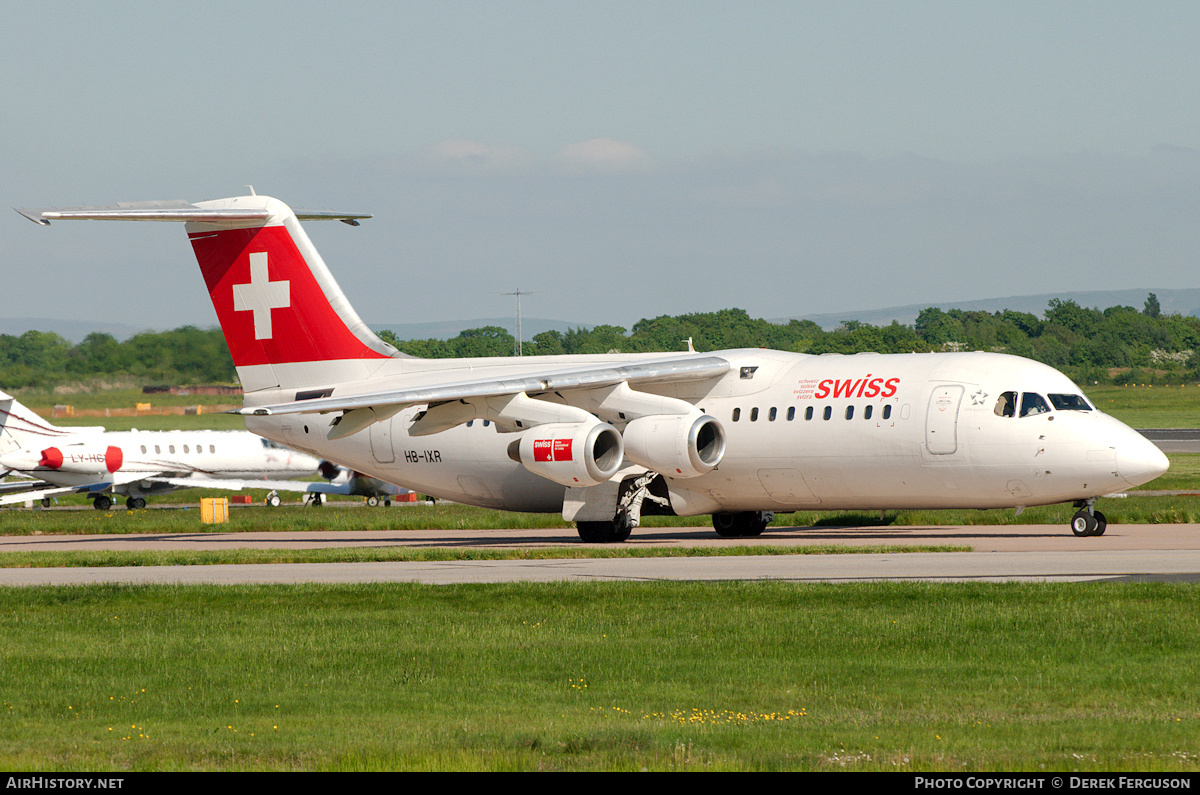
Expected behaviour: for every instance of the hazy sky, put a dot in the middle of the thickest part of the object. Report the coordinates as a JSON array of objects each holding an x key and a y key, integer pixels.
[{"x": 621, "y": 160}]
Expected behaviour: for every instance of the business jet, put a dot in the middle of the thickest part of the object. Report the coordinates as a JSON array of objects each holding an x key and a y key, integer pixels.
[
  {"x": 738, "y": 434},
  {"x": 137, "y": 464}
]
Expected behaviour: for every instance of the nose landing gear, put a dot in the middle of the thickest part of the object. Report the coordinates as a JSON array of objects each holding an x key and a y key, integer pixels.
[{"x": 1087, "y": 521}]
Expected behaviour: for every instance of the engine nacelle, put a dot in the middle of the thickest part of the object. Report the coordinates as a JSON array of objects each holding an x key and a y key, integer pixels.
[
  {"x": 572, "y": 453},
  {"x": 675, "y": 445}
]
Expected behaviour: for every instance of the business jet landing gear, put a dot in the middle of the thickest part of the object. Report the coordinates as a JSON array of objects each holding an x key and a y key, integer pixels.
[
  {"x": 273, "y": 499},
  {"x": 745, "y": 524},
  {"x": 315, "y": 500},
  {"x": 1087, "y": 521}
]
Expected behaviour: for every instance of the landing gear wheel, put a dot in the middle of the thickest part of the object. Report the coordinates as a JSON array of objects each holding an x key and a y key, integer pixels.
[
  {"x": 273, "y": 500},
  {"x": 1101, "y": 524},
  {"x": 102, "y": 502},
  {"x": 1084, "y": 524},
  {"x": 602, "y": 532},
  {"x": 744, "y": 524},
  {"x": 134, "y": 503},
  {"x": 45, "y": 502},
  {"x": 372, "y": 501},
  {"x": 317, "y": 500},
  {"x": 727, "y": 525}
]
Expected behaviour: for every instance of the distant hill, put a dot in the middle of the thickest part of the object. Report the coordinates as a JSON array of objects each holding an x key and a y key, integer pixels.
[
  {"x": 1183, "y": 302},
  {"x": 71, "y": 330},
  {"x": 449, "y": 329}
]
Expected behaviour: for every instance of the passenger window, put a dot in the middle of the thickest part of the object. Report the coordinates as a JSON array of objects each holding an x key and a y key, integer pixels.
[
  {"x": 157, "y": 449},
  {"x": 849, "y": 412},
  {"x": 791, "y": 413},
  {"x": 1006, "y": 404},
  {"x": 754, "y": 414},
  {"x": 737, "y": 414},
  {"x": 143, "y": 449},
  {"x": 828, "y": 412},
  {"x": 887, "y": 411},
  {"x": 1070, "y": 403},
  {"x": 212, "y": 448},
  {"x": 867, "y": 412},
  {"x": 771, "y": 414},
  {"x": 808, "y": 412},
  {"x": 1033, "y": 403}
]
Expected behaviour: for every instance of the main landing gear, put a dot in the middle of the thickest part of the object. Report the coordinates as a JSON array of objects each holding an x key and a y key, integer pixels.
[
  {"x": 744, "y": 524},
  {"x": 1087, "y": 521}
]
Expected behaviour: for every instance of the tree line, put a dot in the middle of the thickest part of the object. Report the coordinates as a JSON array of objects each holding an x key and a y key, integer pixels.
[{"x": 1119, "y": 344}]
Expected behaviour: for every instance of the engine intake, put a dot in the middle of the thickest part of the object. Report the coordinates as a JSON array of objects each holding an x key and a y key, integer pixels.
[
  {"x": 572, "y": 453},
  {"x": 675, "y": 445}
]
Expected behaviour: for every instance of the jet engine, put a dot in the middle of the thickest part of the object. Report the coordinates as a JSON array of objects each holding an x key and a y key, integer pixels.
[
  {"x": 675, "y": 445},
  {"x": 571, "y": 453}
]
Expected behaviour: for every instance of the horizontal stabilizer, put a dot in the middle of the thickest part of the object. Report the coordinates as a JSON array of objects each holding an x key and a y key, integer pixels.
[{"x": 176, "y": 211}]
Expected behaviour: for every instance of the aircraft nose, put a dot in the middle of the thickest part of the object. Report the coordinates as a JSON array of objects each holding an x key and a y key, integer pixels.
[{"x": 1140, "y": 461}]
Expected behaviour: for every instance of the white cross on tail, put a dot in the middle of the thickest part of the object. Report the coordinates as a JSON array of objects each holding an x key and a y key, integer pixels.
[{"x": 261, "y": 295}]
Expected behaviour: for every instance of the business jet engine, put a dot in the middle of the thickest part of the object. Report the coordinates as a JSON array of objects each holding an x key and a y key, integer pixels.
[
  {"x": 571, "y": 453},
  {"x": 675, "y": 445}
]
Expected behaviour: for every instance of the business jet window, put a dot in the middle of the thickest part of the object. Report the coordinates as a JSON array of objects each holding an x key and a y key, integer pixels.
[
  {"x": 186, "y": 448},
  {"x": 143, "y": 449},
  {"x": 1069, "y": 402},
  {"x": 1006, "y": 404},
  {"x": 1033, "y": 403},
  {"x": 737, "y": 414}
]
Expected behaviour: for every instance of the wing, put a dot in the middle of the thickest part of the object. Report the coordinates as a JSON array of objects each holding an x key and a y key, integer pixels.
[
  {"x": 598, "y": 390},
  {"x": 36, "y": 494},
  {"x": 302, "y": 486}
]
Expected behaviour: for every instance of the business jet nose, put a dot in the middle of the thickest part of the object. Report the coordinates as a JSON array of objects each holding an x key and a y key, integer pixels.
[{"x": 1140, "y": 461}]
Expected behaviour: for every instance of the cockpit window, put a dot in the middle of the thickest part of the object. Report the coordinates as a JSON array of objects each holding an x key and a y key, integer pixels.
[
  {"x": 1069, "y": 402},
  {"x": 1006, "y": 404},
  {"x": 1033, "y": 403}
]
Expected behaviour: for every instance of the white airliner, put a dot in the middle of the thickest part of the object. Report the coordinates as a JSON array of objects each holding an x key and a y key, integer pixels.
[
  {"x": 739, "y": 434},
  {"x": 138, "y": 463}
]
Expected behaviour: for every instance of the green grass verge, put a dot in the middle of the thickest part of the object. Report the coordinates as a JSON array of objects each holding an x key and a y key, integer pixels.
[
  {"x": 107, "y": 558},
  {"x": 1149, "y": 406},
  {"x": 601, "y": 676},
  {"x": 1133, "y": 509}
]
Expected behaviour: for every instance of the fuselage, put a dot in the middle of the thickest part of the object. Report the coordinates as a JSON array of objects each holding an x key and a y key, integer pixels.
[
  {"x": 124, "y": 458},
  {"x": 865, "y": 431}
]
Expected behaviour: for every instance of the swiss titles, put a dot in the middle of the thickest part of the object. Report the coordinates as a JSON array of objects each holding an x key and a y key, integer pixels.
[{"x": 867, "y": 387}]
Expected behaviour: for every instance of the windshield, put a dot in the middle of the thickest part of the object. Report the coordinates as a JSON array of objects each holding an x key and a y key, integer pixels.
[{"x": 1069, "y": 402}]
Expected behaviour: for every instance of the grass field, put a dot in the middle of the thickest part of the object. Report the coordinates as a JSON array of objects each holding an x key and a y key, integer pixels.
[
  {"x": 603, "y": 676},
  {"x": 599, "y": 676}
]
